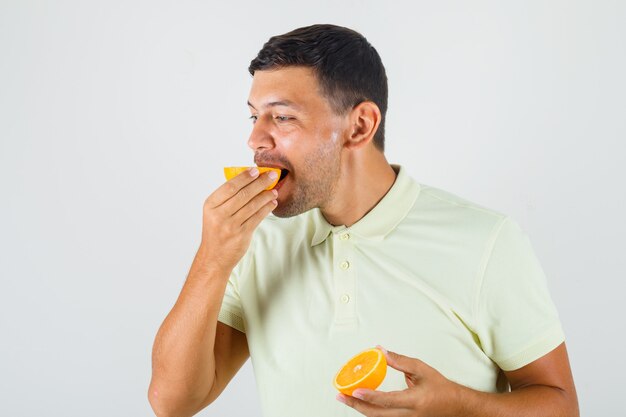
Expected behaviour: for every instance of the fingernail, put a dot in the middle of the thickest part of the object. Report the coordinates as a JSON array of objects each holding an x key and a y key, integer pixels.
[
  {"x": 382, "y": 348},
  {"x": 340, "y": 398},
  {"x": 358, "y": 394},
  {"x": 254, "y": 172},
  {"x": 275, "y": 192},
  {"x": 273, "y": 175}
]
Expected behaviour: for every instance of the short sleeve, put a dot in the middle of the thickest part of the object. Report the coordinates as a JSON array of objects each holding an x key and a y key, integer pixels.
[
  {"x": 516, "y": 319},
  {"x": 231, "y": 312}
]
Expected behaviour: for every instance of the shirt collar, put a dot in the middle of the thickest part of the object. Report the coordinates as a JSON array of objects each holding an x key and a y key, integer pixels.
[{"x": 382, "y": 219}]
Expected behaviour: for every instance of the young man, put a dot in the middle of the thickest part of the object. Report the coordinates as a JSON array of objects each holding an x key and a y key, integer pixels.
[{"x": 357, "y": 254}]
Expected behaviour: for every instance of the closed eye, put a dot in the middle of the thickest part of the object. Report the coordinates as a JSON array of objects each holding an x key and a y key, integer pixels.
[{"x": 253, "y": 118}]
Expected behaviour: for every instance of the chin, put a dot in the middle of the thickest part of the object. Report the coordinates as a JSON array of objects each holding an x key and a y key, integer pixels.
[
  {"x": 288, "y": 209},
  {"x": 283, "y": 213}
]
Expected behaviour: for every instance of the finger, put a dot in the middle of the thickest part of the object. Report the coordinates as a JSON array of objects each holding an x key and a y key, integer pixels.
[
  {"x": 254, "y": 205},
  {"x": 257, "y": 217},
  {"x": 247, "y": 193},
  {"x": 392, "y": 399},
  {"x": 227, "y": 190},
  {"x": 368, "y": 409}
]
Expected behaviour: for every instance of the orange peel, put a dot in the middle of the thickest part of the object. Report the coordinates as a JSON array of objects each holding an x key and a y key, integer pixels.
[{"x": 232, "y": 172}]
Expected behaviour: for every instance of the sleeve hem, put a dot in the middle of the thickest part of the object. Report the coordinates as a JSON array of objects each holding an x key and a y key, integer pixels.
[
  {"x": 231, "y": 319},
  {"x": 543, "y": 346}
]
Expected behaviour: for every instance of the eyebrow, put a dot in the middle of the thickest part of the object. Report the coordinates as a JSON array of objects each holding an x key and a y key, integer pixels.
[{"x": 286, "y": 103}]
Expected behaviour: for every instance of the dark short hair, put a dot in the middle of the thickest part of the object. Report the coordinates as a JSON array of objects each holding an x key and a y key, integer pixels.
[{"x": 348, "y": 68}]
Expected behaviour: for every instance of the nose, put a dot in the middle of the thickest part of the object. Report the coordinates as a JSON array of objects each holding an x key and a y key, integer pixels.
[{"x": 260, "y": 138}]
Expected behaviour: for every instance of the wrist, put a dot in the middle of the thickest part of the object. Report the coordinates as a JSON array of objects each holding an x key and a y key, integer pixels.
[
  {"x": 206, "y": 263},
  {"x": 461, "y": 399}
]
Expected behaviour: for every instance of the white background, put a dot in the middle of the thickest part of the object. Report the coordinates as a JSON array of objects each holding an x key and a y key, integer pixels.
[{"x": 116, "y": 118}]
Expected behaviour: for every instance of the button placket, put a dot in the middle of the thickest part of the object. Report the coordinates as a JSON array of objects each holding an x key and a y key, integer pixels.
[{"x": 345, "y": 279}]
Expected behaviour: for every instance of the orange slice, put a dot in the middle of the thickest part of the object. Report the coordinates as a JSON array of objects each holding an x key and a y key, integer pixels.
[
  {"x": 232, "y": 172},
  {"x": 365, "y": 370}
]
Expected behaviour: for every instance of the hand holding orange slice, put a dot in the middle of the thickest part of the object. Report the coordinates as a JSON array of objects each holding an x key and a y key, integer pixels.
[
  {"x": 365, "y": 370},
  {"x": 232, "y": 172}
]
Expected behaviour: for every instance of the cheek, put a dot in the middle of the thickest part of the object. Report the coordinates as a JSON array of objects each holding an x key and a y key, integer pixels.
[
  {"x": 286, "y": 137},
  {"x": 302, "y": 150},
  {"x": 288, "y": 143},
  {"x": 293, "y": 151},
  {"x": 335, "y": 137}
]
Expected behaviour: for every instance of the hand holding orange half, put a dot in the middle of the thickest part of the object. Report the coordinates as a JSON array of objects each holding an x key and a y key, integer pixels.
[
  {"x": 365, "y": 370},
  {"x": 232, "y": 172},
  {"x": 231, "y": 214}
]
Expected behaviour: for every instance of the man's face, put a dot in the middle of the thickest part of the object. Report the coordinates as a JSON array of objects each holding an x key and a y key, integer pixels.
[{"x": 296, "y": 130}]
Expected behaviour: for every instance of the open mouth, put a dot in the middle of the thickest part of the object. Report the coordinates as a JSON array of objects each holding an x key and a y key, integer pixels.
[{"x": 283, "y": 174}]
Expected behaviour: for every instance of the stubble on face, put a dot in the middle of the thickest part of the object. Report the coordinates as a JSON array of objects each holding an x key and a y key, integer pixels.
[{"x": 315, "y": 181}]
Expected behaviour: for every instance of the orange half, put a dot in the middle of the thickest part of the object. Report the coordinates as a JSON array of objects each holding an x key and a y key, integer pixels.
[
  {"x": 232, "y": 172},
  {"x": 365, "y": 370}
]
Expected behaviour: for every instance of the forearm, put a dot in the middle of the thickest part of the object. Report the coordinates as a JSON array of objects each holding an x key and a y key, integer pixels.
[
  {"x": 183, "y": 364},
  {"x": 530, "y": 401}
]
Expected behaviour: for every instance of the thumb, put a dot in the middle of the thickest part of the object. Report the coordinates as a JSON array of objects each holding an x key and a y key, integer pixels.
[{"x": 403, "y": 363}]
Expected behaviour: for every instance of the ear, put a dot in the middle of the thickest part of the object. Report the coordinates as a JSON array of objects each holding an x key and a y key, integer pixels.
[{"x": 364, "y": 120}]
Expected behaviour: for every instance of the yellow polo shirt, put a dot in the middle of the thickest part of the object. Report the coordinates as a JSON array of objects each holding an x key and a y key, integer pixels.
[{"x": 424, "y": 273}]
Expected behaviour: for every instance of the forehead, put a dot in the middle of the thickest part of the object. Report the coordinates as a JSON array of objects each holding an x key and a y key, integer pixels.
[{"x": 297, "y": 85}]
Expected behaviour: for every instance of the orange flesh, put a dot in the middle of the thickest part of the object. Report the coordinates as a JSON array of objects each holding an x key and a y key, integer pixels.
[
  {"x": 365, "y": 370},
  {"x": 356, "y": 369}
]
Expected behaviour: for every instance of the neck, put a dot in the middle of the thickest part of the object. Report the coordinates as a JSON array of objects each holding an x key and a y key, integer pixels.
[{"x": 363, "y": 182}]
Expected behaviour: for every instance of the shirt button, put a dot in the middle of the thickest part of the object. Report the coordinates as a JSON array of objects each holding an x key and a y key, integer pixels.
[
  {"x": 344, "y": 265},
  {"x": 345, "y": 298},
  {"x": 345, "y": 236}
]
